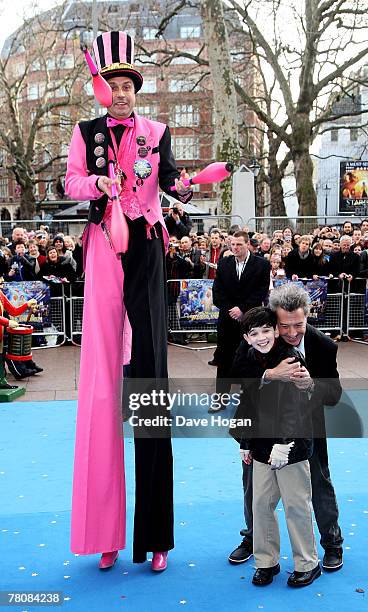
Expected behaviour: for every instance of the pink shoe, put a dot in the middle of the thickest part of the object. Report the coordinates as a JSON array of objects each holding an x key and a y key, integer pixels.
[
  {"x": 159, "y": 561},
  {"x": 108, "y": 559}
]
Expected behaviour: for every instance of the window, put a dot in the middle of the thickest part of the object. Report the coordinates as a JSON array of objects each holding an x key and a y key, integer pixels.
[
  {"x": 143, "y": 59},
  {"x": 19, "y": 69},
  {"x": 177, "y": 85},
  {"x": 190, "y": 31},
  {"x": 35, "y": 91},
  {"x": 87, "y": 37},
  {"x": 60, "y": 92},
  {"x": 88, "y": 88},
  {"x": 353, "y": 134},
  {"x": 149, "y": 33},
  {"x": 185, "y": 115},
  {"x": 147, "y": 110},
  {"x": 4, "y": 188},
  {"x": 47, "y": 123},
  {"x": 334, "y": 135},
  {"x": 186, "y": 147},
  {"x": 46, "y": 156},
  {"x": 130, "y": 31},
  {"x": 64, "y": 118},
  {"x": 36, "y": 65},
  {"x": 66, "y": 61},
  {"x": 149, "y": 86},
  {"x": 2, "y": 157},
  {"x": 48, "y": 186},
  {"x": 185, "y": 60},
  {"x": 51, "y": 63}
]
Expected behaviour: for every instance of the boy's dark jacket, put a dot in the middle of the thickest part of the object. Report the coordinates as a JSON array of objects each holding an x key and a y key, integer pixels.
[{"x": 279, "y": 411}]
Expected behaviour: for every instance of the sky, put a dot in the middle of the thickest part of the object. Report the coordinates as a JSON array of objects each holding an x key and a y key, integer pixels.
[{"x": 11, "y": 14}]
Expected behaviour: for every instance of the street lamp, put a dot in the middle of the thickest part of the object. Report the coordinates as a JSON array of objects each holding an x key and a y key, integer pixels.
[
  {"x": 326, "y": 189},
  {"x": 254, "y": 167}
]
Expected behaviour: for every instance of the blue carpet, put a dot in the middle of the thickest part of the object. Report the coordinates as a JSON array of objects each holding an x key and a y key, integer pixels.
[{"x": 36, "y": 454}]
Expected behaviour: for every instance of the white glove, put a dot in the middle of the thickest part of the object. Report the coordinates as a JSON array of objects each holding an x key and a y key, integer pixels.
[
  {"x": 279, "y": 456},
  {"x": 244, "y": 454}
]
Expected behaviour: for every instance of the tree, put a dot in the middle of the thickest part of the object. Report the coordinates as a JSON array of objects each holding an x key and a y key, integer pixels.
[
  {"x": 308, "y": 75},
  {"x": 39, "y": 83},
  {"x": 224, "y": 96}
]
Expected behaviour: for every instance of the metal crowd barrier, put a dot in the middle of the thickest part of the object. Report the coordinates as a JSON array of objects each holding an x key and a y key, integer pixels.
[
  {"x": 75, "y": 301},
  {"x": 357, "y": 318},
  {"x": 56, "y": 334},
  {"x": 332, "y": 318},
  {"x": 67, "y": 315},
  {"x": 303, "y": 225}
]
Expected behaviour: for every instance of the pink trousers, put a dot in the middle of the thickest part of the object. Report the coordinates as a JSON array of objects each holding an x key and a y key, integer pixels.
[{"x": 98, "y": 504}]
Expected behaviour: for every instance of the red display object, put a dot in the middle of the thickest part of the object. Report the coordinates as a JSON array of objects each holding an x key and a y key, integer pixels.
[{"x": 19, "y": 343}]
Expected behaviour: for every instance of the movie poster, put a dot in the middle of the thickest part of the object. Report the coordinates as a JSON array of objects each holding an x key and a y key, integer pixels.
[
  {"x": 354, "y": 188},
  {"x": 196, "y": 304},
  {"x": 317, "y": 291},
  {"x": 19, "y": 293}
]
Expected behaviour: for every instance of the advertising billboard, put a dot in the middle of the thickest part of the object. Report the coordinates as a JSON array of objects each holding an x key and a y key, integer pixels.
[{"x": 354, "y": 188}]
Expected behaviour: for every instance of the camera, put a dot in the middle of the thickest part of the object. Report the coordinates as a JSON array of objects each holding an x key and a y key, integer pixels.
[{"x": 175, "y": 210}]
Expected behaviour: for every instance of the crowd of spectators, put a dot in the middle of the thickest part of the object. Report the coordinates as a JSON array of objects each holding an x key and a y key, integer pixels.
[
  {"x": 34, "y": 255},
  {"x": 326, "y": 252}
]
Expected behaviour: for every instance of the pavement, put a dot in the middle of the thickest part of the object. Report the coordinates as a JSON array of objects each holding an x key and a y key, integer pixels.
[{"x": 59, "y": 380}]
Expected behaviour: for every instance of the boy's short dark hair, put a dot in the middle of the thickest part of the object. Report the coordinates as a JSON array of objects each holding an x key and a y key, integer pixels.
[{"x": 258, "y": 317}]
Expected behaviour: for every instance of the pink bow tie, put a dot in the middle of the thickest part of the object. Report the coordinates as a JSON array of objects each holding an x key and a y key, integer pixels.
[{"x": 111, "y": 122}]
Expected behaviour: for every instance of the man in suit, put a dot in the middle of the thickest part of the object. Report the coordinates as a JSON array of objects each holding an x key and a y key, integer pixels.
[
  {"x": 320, "y": 379},
  {"x": 241, "y": 282}
]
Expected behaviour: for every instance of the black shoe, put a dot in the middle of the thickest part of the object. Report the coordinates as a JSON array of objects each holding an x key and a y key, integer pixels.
[
  {"x": 264, "y": 575},
  {"x": 213, "y": 362},
  {"x": 302, "y": 579},
  {"x": 216, "y": 410},
  {"x": 332, "y": 559},
  {"x": 242, "y": 553},
  {"x": 7, "y": 386},
  {"x": 37, "y": 369},
  {"x": 25, "y": 374}
]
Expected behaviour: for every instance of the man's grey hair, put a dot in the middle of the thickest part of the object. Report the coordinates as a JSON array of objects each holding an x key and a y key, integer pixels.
[
  {"x": 346, "y": 237},
  {"x": 289, "y": 297}
]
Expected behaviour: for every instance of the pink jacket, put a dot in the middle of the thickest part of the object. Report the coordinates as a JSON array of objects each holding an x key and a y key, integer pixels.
[{"x": 81, "y": 185}]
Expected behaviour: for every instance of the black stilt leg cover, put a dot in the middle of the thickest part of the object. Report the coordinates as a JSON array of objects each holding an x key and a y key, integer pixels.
[{"x": 145, "y": 301}]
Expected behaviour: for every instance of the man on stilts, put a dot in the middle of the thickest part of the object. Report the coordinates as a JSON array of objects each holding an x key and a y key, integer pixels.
[{"x": 134, "y": 286}]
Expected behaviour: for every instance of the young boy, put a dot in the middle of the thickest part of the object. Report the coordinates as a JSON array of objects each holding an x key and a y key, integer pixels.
[{"x": 279, "y": 453}]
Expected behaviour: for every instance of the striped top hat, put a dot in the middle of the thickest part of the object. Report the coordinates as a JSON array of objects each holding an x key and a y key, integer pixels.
[{"x": 114, "y": 53}]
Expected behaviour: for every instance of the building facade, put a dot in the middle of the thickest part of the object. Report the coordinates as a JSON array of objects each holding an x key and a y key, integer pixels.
[
  {"x": 176, "y": 91},
  {"x": 345, "y": 139}
]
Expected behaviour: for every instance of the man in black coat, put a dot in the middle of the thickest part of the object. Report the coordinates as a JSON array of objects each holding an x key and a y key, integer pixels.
[
  {"x": 320, "y": 380},
  {"x": 177, "y": 221},
  {"x": 345, "y": 263},
  {"x": 242, "y": 282}
]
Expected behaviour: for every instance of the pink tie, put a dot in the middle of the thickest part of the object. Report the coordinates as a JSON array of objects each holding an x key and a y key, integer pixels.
[{"x": 111, "y": 122}]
